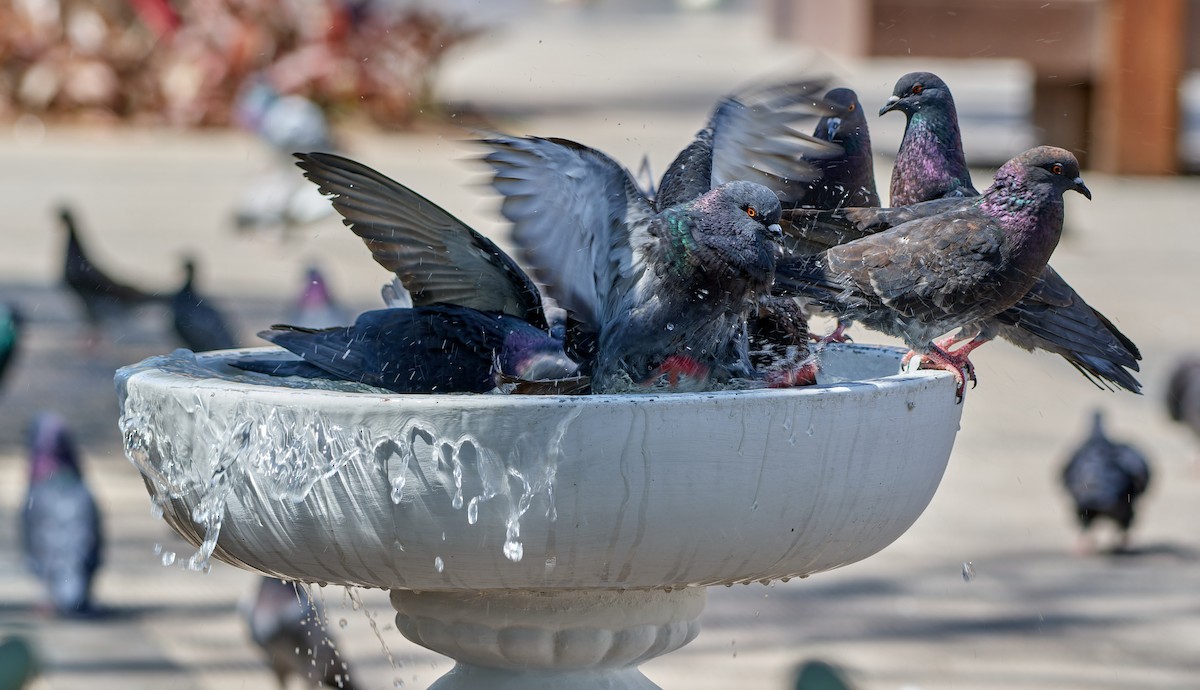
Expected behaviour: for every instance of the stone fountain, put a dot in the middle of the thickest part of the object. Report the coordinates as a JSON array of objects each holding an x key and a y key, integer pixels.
[{"x": 539, "y": 541}]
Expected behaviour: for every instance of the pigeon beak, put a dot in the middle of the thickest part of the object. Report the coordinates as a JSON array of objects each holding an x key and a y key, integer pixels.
[
  {"x": 1080, "y": 187},
  {"x": 775, "y": 232},
  {"x": 889, "y": 105},
  {"x": 831, "y": 127}
]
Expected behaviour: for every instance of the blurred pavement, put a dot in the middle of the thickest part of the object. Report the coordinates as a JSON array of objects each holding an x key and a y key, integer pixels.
[{"x": 1034, "y": 616}]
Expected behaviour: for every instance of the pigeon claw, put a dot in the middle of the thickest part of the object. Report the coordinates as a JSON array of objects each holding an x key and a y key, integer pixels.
[
  {"x": 955, "y": 362},
  {"x": 837, "y": 336}
]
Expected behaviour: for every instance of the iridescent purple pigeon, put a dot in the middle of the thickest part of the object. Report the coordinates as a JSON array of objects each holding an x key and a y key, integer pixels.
[
  {"x": 60, "y": 524},
  {"x": 929, "y": 276},
  {"x": 930, "y": 163}
]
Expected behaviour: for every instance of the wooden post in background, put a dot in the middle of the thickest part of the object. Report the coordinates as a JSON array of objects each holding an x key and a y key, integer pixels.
[{"x": 1137, "y": 107}]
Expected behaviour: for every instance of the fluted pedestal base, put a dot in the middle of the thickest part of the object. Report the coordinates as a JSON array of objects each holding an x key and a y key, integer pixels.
[{"x": 538, "y": 640}]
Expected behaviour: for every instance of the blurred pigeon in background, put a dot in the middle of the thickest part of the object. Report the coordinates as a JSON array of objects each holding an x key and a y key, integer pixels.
[
  {"x": 930, "y": 163},
  {"x": 929, "y": 276},
  {"x": 102, "y": 297},
  {"x": 10, "y": 336},
  {"x": 18, "y": 663},
  {"x": 1105, "y": 479},
  {"x": 667, "y": 292},
  {"x": 279, "y": 199},
  {"x": 60, "y": 524},
  {"x": 289, "y": 627},
  {"x": 316, "y": 306},
  {"x": 431, "y": 349},
  {"x": 820, "y": 675},
  {"x": 197, "y": 321},
  {"x": 1183, "y": 394}
]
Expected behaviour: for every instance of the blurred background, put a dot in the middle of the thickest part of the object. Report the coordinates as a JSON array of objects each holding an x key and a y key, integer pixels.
[{"x": 162, "y": 127}]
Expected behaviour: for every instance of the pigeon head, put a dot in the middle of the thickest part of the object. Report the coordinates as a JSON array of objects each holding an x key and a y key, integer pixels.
[
  {"x": 847, "y": 121},
  {"x": 1045, "y": 165},
  {"x": 531, "y": 354},
  {"x": 51, "y": 448},
  {"x": 750, "y": 199},
  {"x": 738, "y": 222},
  {"x": 917, "y": 90}
]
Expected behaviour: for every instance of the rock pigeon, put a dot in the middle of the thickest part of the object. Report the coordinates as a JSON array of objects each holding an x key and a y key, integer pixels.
[
  {"x": 847, "y": 179},
  {"x": 1051, "y": 316},
  {"x": 18, "y": 663},
  {"x": 1105, "y": 479},
  {"x": 431, "y": 349},
  {"x": 278, "y": 199},
  {"x": 197, "y": 321},
  {"x": 10, "y": 336},
  {"x": 752, "y": 135},
  {"x": 667, "y": 291},
  {"x": 930, "y": 163},
  {"x": 821, "y": 675},
  {"x": 926, "y": 277},
  {"x": 1183, "y": 394},
  {"x": 473, "y": 324},
  {"x": 316, "y": 306},
  {"x": 60, "y": 524},
  {"x": 102, "y": 297},
  {"x": 289, "y": 627}
]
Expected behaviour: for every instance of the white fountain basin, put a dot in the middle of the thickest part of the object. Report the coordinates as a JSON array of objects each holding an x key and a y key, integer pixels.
[{"x": 501, "y": 492}]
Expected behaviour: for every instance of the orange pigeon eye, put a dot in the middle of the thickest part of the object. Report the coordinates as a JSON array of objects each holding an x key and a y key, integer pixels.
[
  {"x": 851, "y": 108},
  {"x": 752, "y": 212},
  {"x": 918, "y": 87},
  {"x": 1057, "y": 169}
]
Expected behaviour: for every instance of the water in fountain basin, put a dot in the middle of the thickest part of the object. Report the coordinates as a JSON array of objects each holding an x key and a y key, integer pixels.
[{"x": 281, "y": 453}]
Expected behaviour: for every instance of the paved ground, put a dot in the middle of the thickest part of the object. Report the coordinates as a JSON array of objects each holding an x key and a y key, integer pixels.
[{"x": 1033, "y": 617}]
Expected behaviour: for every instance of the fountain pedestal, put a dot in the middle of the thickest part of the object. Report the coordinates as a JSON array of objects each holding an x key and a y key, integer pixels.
[
  {"x": 580, "y": 639},
  {"x": 540, "y": 541}
]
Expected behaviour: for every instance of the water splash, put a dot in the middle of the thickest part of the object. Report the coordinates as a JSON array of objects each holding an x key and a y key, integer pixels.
[
  {"x": 261, "y": 449},
  {"x": 438, "y": 564},
  {"x": 968, "y": 571}
]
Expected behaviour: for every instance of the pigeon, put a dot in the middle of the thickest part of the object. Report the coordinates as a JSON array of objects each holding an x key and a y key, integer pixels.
[
  {"x": 10, "y": 335},
  {"x": 60, "y": 524},
  {"x": 278, "y": 199},
  {"x": 289, "y": 627},
  {"x": 452, "y": 275},
  {"x": 1183, "y": 394},
  {"x": 751, "y": 135},
  {"x": 847, "y": 179},
  {"x": 441, "y": 348},
  {"x": 820, "y": 675},
  {"x": 931, "y": 275},
  {"x": 930, "y": 163},
  {"x": 197, "y": 321},
  {"x": 1051, "y": 316},
  {"x": 19, "y": 665},
  {"x": 1105, "y": 479},
  {"x": 102, "y": 297},
  {"x": 316, "y": 306},
  {"x": 666, "y": 290}
]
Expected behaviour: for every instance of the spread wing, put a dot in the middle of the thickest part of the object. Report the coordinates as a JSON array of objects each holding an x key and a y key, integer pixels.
[
  {"x": 578, "y": 218},
  {"x": 437, "y": 257}
]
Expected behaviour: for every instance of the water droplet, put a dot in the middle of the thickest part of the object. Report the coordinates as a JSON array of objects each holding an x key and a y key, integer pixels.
[
  {"x": 157, "y": 549},
  {"x": 968, "y": 571},
  {"x": 438, "y": 564},
  {"x": 168, "y": 558},
  {"x": 397, "y": 489},
  {"x": 398, "y": 683},
  {"x": 473, "y": 511},
  {"x": 342, "y": 623},
  {"x": 670, "y": 327},
  {"x": 514, "y": 550}
]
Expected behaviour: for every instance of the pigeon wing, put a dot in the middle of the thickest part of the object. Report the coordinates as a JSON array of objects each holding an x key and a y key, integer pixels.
[
  {"x": 578, "y": 218},
  {"x": 437, "y": 257}
]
